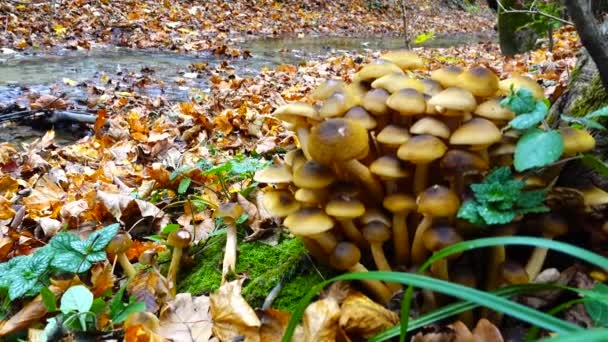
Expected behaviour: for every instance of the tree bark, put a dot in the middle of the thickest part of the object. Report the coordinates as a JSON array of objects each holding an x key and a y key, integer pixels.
[{"x": 589, "y": 31}]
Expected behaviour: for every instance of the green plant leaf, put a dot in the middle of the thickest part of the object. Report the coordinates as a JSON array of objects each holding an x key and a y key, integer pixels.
[
  {"x": 99, "y": 239},
  {"x": 598, "y": 309},
  {"x": 600, "y": 113},
  {"x": 492, "y": 216},
  {"x": 531, "y": 119},
  {"x": 537, "y": 148},
  {"x": 170, "y": 228},
  {"x": 595, "y": 163},
  {"x": 520, "y": 102},
  {"x": 595, "y": 335},
  {"x": 119, "y": 311},
  {"x": 77, "y": 298},
  {"x": 468, "y": 211},
  {"x": 49, "y": 299},
  {"x": 583, "y": 122},
  {"x": 184, "y": 184},
  {"x": 98, "y": 306}
]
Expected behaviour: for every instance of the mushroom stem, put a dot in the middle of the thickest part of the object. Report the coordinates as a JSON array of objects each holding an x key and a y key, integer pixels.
[
  {"x": 401, "y": 239},
  {"x": 382, "y": 264},
  {"x": 352, "y": 233},
  {"x": 361, "y": 171},
  {"x": 229, "y": 262},
  {"x": 420, "y": 177},
  {"x": 379, "y": 290},
  {"x": 535, "y": 264},
  {"x": 497, "y": 258},
  {"x": 419, "y": 252},
  {"x": 326, "y": 240},
  {"x": 174, "y": 269},
  {"x": 127, "y": 267},
  {"x": 440, "y": 269},
  {"x": 303, "y": 133}
]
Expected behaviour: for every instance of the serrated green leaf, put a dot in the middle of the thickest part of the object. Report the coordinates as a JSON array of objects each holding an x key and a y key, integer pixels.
[
  {"x": 170, "y": 228},
  {"x": 537, "y": 148},
  {"x": 595, "y": 163},
  {"x": 498, "y": 175},
  {"x": 492, "y": 216},
  {"x": 77, "y": 298},
  {"x": 531, "y": 119},
  {"x": 600, "y": 113},
  {"x": 496, "y": 192},
  {"x": 468, "y": 211},
  {"x": 99, "y": 239},
  {"x": 598, "y": 309},
  {"x": 583, "y": 122},
  {"x": 49, "y": 299},
  {"x": 18, "y": 288},
  {"x": 184, "y": 184},
  {"x": 531, "y": 199},
  {"x": 94, "y": 257}
]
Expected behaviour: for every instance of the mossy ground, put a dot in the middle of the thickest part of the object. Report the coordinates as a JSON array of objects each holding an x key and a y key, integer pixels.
[
  {"x": 594, "y": 97},
  {"x": 264, "y": 265}
]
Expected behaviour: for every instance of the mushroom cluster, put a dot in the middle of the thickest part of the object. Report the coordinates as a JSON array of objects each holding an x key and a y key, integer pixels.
[{"x": 385, "y": 162}]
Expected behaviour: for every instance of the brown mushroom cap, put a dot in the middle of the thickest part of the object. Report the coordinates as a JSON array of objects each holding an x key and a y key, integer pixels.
[
  {"x": 438, "y": 201},
  {"x": 375, "y": 214},
  {"x": 148, "y": 257},
  {"x": 440, "y": 237},
  {"x": 447, "y": 76},
  {"x": 313, "y": 175},
  {"x": 360, "y": 115},
  {"x": 345, "y": 256},
  {"x": 310, "y": 196},
  {"x": 395, "y": 82},
  {"x": 295, "y": 112},
  {"x": 337, "y": 140},
  {"x": 292, "y": 155},
  {"x": 179, "y": 239},
  {"x": 120, "y": 243},
  {"x": 454, "y": 99},
  {"x": 479, "y": 81},
  {"x": 404, "y": 59},
  {"x": 377, "y": 69},
  {"x": 327, "y": 89},
  {"x": 374, "y": 101},
  {"x": 431, "y": 126},
  {"x": 388, "y": 167},
  {"x": 228, "y": 210},
  {"x": 460, "y": 162},
  {"x": 274, "y": 174},
  {"x": 376, "y": 231},
  {"x": 345, "y": 208},
  {"x": 399, "y": 202},
  {"x": 407, "y": 102},
  {"x": 594, "y": 197},
  {"x": 335, "y": 105},
  {"x": 514, "y": 273},
  {"x": 354, "y": 93},
  {"x": 491, "y": 109},
  {"x": 344, "y": 188},
  {"x": 576, "y": 141},
  {"x": 478, "y": 133},
  {"x": 308, "y": 221},
  {"x": 431, "y": 87},
  {"x": 519, "y": 82},
  {"x": 422, "y": 149},
  {"x": 279, "y": 203},
  {"x": 554, "y": 225},
  {"x": 393, "y": 135}
]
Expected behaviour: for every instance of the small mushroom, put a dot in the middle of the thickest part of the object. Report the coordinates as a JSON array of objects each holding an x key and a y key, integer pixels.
[
  {"x": 393, "y": 136},
  {"x": 179, "y": 239},
  {"x": 478, "y": 134},
  {"x": 454, "y": 101},
  {"x": 400, "y": 205},
  {"x": 431, "y": 87},
  {"x": 374, "y": 102},
  {"x": 518, "y": 82},
  {"x": 230, "y": 212},
  {"x": 274, "y": 174},
  {"x": 447, "y": 76},
  {"x": 345, "y": 210},
  {"x": 279, "y": 203},
  {"x": 390, "y": 169},
  {"x": 407, "y": 102},
  {"x": 313, "y": 175},
  {"x": 576, "y": 141},
  {"x": 457, "y": 164},
  {"x": 298, "y": 114},
  {"x": 513, "y": 273},
  {"x": 480, "y": 81},
  {"x": 148, "y": 258},
  {"x": 118, "y": 246},
  {"x": 327, "y": 89},
  {"x": 395, "y": 82},
  {"x": 315, "y": 224},
  {"x": 295, "y": 159},
  {"x": 375, "y": 70},
  {"x": 494, "y": 111},
  {"x": 310, "y": 197},
  {"x": 343, "y": 142},
  {"x": 336, "y": 105},
  {"x": 346, "y": 257},
  {"x": 553, "y": 225},
  {"x": 435, "y": 201},
  {"x": 377, "y": 233},
  {"x": 404, "y": 59},
  {"x": 421, "y": 150},
  {"x": 436, "y": 239},
  {"x": 431, "y": 126},
  {"x": 360, "y": 115}
]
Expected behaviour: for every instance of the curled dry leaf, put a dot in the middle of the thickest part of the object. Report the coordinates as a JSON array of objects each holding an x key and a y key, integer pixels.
[
  {"x": 485, "y": 331},
  {"x": 151, "y": 288},
  {"x": 273, "y": 324},
  {"x": 102, "y": 279},
  {"x": 360, "y": 316},
  {"x": 232, "y": 315},
  {"x": 320, "y": 321},
  {"x": 186, "y": 319}
]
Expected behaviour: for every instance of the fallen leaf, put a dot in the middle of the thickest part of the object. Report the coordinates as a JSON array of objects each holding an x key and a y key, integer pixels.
[
  {"x": 102, "y": 279},
  {"x": 151, "y": 288},
  {"x": 360, "y": 316},
  {"x": 186, "y": 318},
  {"x": 320, "y": 321},
  {"x": 232, "y": 315}
]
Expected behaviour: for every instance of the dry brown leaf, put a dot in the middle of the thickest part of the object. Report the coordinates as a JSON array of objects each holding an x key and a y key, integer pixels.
[
  {"x": 139, "y": 333},
  {"x": 273, "y": 325},
  {"x": 44, "y": 199},
  {"x": 320, "y": 321},
  {"x": 360, "y": 316},
  {"x": 151, "y": 288},
  {"x": 102, "y": 279},
  {"x": 186, "y": 319},
  {"x": 485, "y": 331},
  {"x": 232, "y": 315}
]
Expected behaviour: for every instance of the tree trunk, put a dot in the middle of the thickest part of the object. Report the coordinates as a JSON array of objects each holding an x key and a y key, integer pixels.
[{"x": 513, "y": 41}]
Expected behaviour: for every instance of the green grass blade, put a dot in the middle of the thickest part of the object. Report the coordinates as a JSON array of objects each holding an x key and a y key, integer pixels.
[
  {"x": 531, "y": 336},
  {"x": 456, "y": 308},
  {"x": 483, "y": 298},
  {"x": 588, "y": 335}
]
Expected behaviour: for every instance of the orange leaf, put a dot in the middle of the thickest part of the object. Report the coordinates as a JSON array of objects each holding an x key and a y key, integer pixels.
[
  {"x": 102, "y": 279},
  {"x": 100, "y": 121}
]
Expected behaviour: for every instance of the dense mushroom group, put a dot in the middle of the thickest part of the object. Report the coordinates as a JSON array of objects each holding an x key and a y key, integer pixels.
[{"x": 385, "y": 162}]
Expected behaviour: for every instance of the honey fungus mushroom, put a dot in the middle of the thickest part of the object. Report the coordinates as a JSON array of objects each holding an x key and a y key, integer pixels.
[{"x": 298, "y": 114}]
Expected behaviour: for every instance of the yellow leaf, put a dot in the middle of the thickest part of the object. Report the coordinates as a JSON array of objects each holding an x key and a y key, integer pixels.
[
  {"x": 20, "y": 7},
  {"x": 69, "y": 82},
  {"x": 59, "y": 29}
]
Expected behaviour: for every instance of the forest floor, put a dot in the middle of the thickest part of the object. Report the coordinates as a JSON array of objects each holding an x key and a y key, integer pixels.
[{"x": 153, "y": 162}]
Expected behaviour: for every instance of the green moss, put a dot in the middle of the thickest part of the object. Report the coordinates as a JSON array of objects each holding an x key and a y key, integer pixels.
[
  {"x": 265, "y": 266},
  {"x": 594, "y": 97}
]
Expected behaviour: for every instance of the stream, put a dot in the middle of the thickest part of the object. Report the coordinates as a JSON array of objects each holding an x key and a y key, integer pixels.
[{"x": 45, "y": 73}]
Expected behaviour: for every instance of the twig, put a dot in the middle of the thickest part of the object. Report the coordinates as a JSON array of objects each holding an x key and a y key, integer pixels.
[
  {"x": 543, "y": 14},
  {"x": 405, "y": 30}
]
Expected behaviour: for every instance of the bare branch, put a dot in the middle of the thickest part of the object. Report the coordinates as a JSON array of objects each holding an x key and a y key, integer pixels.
[{"x": 542, "y": 14}]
